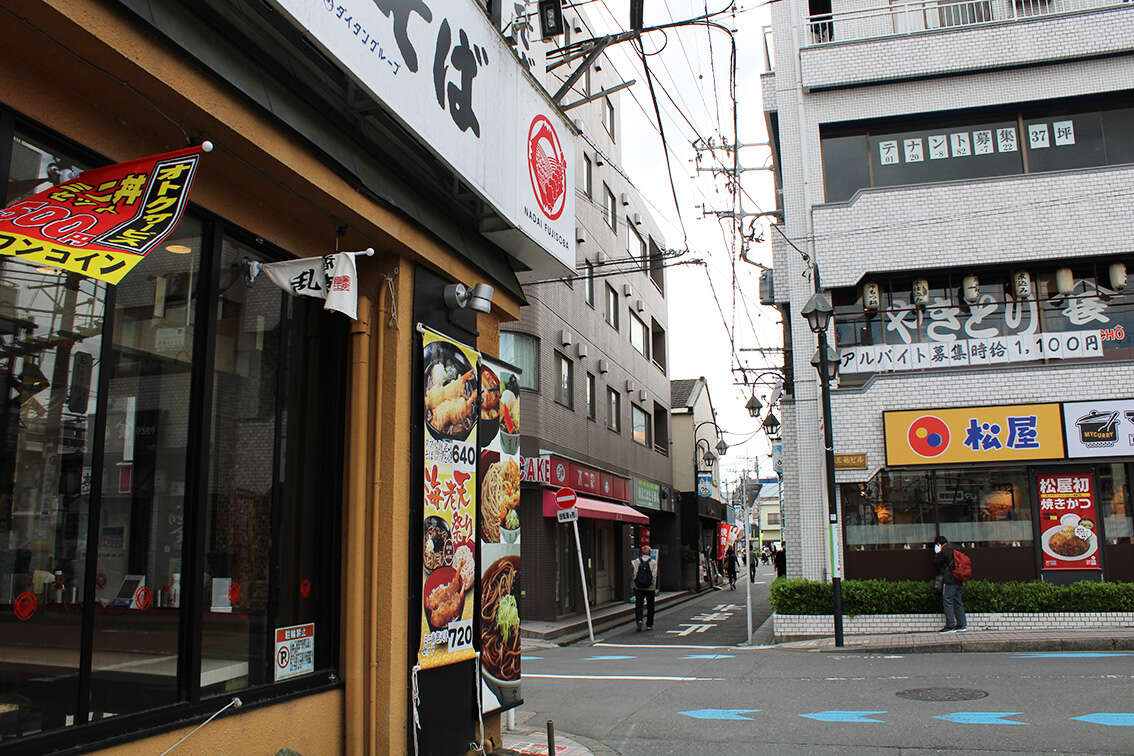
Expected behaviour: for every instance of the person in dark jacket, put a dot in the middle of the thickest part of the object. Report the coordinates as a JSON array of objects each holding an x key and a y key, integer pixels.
[
  {"x": 780, "y": 558},
  {"x": 730, "y": 567},
  {"x": 950, "y": 589}
]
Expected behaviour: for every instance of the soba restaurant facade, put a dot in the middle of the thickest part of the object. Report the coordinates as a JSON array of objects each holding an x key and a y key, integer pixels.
[{"x": 211, "y": 490}]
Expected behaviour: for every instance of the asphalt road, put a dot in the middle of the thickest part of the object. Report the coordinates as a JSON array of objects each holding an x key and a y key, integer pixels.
[{"x": 684, "y": 690}]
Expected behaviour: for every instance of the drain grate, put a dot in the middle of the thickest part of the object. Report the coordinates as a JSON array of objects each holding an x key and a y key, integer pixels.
[{"x": 942, "y": 694}]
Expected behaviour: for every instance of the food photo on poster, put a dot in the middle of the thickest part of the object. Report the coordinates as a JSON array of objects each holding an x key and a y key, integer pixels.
[
  {"x": 448, "y": 545},
  {"x": 1068, "y": 523},
  {"x": 500, "y": 472}
]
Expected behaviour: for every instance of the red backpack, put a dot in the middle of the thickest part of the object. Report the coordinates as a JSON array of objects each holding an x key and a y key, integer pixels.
[{"x": 962, "y": 567}]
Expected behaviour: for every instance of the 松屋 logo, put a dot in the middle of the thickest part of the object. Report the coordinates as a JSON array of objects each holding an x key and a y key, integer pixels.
[
  {"x": 928, "y": 436},
  {"x": 547, "y": 167}
]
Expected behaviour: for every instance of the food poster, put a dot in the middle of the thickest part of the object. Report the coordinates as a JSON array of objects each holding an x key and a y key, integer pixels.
[
  {"x": 1069, "y": 535},
  {"x": 499, "y": 535},
  {"x": 451, "y": 390}
]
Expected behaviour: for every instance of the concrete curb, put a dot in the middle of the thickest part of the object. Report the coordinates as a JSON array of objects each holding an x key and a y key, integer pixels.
[{"x": 976, "y": 645}]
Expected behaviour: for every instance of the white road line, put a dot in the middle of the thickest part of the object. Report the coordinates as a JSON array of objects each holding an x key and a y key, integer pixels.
[
  {"x": 663, "y": 645},
  {"x": 628, "y": 677}
]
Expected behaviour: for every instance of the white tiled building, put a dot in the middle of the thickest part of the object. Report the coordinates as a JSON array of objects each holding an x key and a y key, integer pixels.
[{"x": 977, "y": 156}]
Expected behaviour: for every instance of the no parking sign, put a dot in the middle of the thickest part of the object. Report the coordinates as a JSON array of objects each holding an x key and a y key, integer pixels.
[{"x": 295, "y": 651}]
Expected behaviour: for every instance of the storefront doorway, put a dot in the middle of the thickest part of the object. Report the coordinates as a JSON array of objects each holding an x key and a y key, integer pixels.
[{"x": 603, "y": 561}]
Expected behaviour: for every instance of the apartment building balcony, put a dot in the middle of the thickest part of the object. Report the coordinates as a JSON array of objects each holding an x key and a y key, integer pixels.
[
  {"x": 858, "y": 46},
  {"x": 1037, "y": 216}
]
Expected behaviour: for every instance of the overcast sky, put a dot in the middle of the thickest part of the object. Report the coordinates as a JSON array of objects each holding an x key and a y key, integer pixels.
[{"x": 698, "y": 327}]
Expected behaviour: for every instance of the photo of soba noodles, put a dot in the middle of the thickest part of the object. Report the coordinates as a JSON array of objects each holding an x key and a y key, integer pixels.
[
  {"x": 500, "y": 495},
  {"x": 450, "y": 391},
  {"x": 500, "y": 620}
]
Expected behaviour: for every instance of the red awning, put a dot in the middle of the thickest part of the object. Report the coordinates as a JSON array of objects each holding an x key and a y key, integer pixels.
[{"x": 595, "y": 509}]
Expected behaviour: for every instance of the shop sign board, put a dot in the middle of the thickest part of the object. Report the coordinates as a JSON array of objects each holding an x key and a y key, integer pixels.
[
  {"x": 973, "y": 434},
  {"x": 295, "y": 651},
  {"x": 704, "y": 484},
  {"x": 1099, "y": 429},
  {"x": 451, "y": 412},
  {"x": 558, "y": 472},
  {"x": 498, "y": 434},
  {"x": 725, "y": 536},
  {"x": 647, "y": 494},
  {"x": 443, "y": 71},
  {"x": 1069, "y": 536},
  {"x": 850, "y": 461},
  {"x": 104, "y": 221}
]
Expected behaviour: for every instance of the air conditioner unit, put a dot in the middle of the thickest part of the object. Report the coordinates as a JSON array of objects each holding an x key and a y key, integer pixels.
[
  {"x": 625, "y": 199},
  {"x": 578, "y": 124},
  {"x": 565, "y": 337},
  {"x": 580, "y": 235},
  {"x": 637, "y": 219},
  {"x": 577, "y": 26},
  {"x": 642, "y": 395},
  {"x": 582, "y": 350},
  {"x": 767, "y": 288},
  {"x": 603, "y": 365},
  {"x": 598, "y": 159},
  {"x": 625, "y": 290},
  {"x": 640, "y": 305},
  {"x": 629, "y": 385}
]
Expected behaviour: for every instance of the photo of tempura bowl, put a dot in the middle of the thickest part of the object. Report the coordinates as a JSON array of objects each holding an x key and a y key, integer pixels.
[
  {"x": 509, "y": 442},
  {"x": 445, "y": 364},
  {"x": 439, "y": 577}
]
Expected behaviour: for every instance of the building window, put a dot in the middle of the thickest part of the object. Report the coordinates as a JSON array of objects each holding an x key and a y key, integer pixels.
[
  {"x": 588, "y": 176},
  {"x": 657, "y": 269},
  {"x": 608, "y": 116},
  {"x": 610, "y": 314},
  {"x": 609, "y": 209},
  {"x": 522, "y": 350},
  {"x": 639, "y": 336},
  {"x": 592, "y": 399},
  {"x": 772, "y": 519},
  {"x": 587, "y": 81},
  {"x": 661, "y": 428},
  {"x": 657, "y": 342},
  {"x": 101, "y": 492},
  {"x": 640, "y": 425},
  {"x": 1053, "y": 137},
  {"x": 589, "y": 286},
  {"x": 636, "y": 246},
  {"x": 564, "y": 381},
  {"x": 613, "y": 410}
]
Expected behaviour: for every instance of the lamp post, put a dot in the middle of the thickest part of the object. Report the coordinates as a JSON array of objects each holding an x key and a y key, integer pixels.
[
  {"x": 709, "y": 458},
  {"x": 818, "y": 312}
]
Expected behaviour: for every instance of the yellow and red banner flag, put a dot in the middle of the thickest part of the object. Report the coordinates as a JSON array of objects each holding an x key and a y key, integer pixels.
[{"x": 104, "y": 221}]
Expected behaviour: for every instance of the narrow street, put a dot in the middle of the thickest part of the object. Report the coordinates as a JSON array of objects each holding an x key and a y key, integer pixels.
[{"x": 687, "y": 687}]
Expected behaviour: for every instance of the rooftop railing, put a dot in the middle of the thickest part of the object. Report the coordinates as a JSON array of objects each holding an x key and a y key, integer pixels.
[{"x": 922, "y": 15}]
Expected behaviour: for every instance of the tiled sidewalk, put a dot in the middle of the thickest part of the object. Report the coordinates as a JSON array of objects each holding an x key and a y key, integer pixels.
[
  {"x": 534, "y": 743},
  {"x": 1110, "y": 639}
]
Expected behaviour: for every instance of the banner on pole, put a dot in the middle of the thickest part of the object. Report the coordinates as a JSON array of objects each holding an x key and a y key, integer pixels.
[
  {"x": 103, "y": 222},
  {"x": 332, "y": 278}
]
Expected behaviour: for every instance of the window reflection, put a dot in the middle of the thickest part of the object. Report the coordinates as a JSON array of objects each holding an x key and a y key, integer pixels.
[
  {"x": 50, "y": 342},
  {"x": 1114, "y": 502},
  {"x": 143, "y": 480}
]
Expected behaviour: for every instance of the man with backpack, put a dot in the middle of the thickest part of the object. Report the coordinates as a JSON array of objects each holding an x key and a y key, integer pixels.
[
  {"x": 953, "y": 569},
  {"x": 645, "y": 572}
]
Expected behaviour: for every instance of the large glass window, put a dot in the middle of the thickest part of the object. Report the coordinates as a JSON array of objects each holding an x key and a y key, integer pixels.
[
  {"x": 657, "y": 344},
  {"x": 661, "y": 428},
  {"x": 589, "y": 284},
  {"x": 588, "y": 176},
  {"x": 610, "y": 314},
  {"x": 1114, "y": 503},
  {"x": 901, "y": 509},
  {"x": 639, "y": 336},
  {"x": 175, "y": 515},
  {"x": 1038, "y": 137},
  {"x": 522, "y": 350},
  {"x": 609, "y": 208},
  {"x": 613, "y": 410},
  {"x": 592, "y": 400}
]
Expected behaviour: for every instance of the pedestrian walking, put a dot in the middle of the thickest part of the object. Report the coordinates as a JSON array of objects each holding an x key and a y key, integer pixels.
[
  {"x": 943, "y": 562},
  {"x": 730, "y": 567},
  {"x": 780, "y": 558},
  {"x": 645, "y": 572}
]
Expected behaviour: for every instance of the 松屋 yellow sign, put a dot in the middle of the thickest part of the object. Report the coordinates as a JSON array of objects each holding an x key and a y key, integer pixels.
[{"x": 973, "y": 434}]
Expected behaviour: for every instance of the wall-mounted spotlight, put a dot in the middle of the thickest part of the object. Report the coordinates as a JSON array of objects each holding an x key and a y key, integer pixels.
[{"x": 458, "y": 297}]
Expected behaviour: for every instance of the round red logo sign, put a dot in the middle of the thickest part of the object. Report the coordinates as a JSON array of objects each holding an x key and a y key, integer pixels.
[
  {"x": 547, "y": 167},
  {"x": 24, "y": 606}
]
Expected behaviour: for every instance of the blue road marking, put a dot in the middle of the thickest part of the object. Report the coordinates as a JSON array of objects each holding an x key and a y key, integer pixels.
[
  {"x": 607, "y": 658},
  {"x": 1068, "y": 655},
  {"x": 1114, "y": 719},
  {"x": 709, "y": 656},
  {"x": 734, "y": 714},
  {"x": 530, "y": 658},
  {"x": 982, "y": 717},
  {"x": 838, "y": 715}
]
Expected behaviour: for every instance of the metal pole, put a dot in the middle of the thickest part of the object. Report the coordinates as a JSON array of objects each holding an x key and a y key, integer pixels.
[
  {"x": 583, "y": 578},
  {"x": 748, "y": 567},
  {"x": 832, "y": 503}
]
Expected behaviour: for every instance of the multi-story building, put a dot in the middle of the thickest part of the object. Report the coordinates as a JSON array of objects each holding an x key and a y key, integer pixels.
[
  {"x": 595, "y": 393},
  {"x": 696, "y": 475},
  {"x": 768, "y": 504},
  {"x": 959, "y": 172}
]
